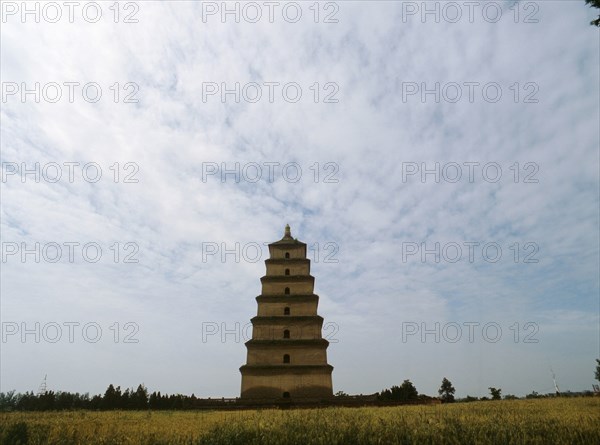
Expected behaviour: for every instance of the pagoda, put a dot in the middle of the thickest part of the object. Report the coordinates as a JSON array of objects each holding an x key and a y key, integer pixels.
[{"x": 287, "y": 355}]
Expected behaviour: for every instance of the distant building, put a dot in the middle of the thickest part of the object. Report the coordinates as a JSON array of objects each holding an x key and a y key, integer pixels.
[{"x": 287, "y": 355}]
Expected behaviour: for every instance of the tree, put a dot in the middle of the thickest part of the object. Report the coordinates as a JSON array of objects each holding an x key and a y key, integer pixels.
[
  {"x": 96, "y": 402},
  {"x": 594, "y": 4},
  {"x": 408, "y": 391},
  {"x": 111, "y": 398},
  {"x": 154, "y": 401},
  {"x": 598, "y": 369},
  {"x": 495, "y": 393},
  {"x": 8, "y": 400},
  {"x": 125, "y": 402},
  {"x": 404, "y": 392},
  {"x": 446, "y": 391},
  {"x": 46, "y": 401},
  {"x": 140, "y": 397}
]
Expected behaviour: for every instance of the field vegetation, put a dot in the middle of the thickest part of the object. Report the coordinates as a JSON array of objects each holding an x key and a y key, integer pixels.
[{"x": 531, "y": 421}]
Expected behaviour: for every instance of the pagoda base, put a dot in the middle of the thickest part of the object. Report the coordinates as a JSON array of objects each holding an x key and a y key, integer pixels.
[{"x": 312, "y": 382}]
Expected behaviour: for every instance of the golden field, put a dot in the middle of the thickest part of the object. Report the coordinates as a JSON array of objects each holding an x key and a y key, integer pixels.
[{"x": 535, "y": 421}]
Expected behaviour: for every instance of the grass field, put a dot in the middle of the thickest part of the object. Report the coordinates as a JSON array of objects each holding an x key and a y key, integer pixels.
[{"x": 537, "y": 421}]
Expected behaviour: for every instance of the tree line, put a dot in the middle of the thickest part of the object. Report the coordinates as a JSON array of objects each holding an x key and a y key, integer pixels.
[
  {"x": 113, "y": 399},
  {"x": 407, "y": 392}
]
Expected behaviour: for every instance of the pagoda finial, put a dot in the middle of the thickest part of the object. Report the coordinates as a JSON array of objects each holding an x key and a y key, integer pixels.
[{"x": 288, "y": 232}]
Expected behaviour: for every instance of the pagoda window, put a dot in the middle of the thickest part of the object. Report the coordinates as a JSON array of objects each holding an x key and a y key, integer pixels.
[
  {"x": 287, "y": 271},
  {"x": 287, "y": 290},
  {"x": 286, "y": 395},
  {"x": 286, "y": 311},
  {"x": 286, "y": 358},
  {"x": 287, "y": 254},
  {"x": 286, "y": 334}
]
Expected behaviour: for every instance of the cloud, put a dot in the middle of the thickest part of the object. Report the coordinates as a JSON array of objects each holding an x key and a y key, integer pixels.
[{"x": 354, "y": 201}]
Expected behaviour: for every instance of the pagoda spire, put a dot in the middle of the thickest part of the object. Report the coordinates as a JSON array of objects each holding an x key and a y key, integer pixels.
[{"x": 288, "y": 232}]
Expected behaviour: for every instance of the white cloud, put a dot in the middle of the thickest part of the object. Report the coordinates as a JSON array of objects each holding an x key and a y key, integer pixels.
[{"x": 171, "y": 213}]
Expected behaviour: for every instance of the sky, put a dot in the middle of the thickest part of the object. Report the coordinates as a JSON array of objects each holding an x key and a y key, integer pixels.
[{"x": 440, "y": 160}]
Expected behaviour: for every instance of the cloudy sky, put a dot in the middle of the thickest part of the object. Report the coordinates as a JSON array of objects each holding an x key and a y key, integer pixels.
[{"x": 442, "y": 167}]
